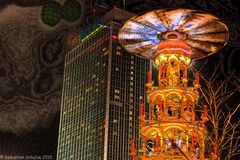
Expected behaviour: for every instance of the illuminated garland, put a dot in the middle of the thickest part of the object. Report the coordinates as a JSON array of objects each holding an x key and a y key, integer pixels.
[{"x": 90, "y": 34}]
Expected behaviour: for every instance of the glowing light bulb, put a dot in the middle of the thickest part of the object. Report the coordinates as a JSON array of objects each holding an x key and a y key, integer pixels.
[
  {"x": 182, "y": 58},
  {"x": 163, "y": 57},
  {"x": 188, "y": 61},
  {"x": 157, "y": 62},
  {"x": 172, "y": 57}
]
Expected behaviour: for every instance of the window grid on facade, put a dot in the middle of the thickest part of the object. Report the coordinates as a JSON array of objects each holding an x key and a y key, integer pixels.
[{"x": 83, "y": 108}]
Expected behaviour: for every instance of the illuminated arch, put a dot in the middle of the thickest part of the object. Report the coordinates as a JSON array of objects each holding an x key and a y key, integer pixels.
[
  {"x": 156, "y": 95},
  {"x": 173, "y": 58},
  {"x": 191, "y": 96},
  {"x": 151, "y": 132},
  {"x": 174, "y": 92},
  {"x": 172, "y": 127},
  {"x": 194, "y": 132}
]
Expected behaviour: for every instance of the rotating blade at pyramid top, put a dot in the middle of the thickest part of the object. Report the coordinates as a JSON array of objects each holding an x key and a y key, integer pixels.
[{"x": 195, "y": 33}]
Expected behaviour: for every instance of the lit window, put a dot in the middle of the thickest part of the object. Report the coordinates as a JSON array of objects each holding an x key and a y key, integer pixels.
[
  {"x": 116, "y": 68},
  {"x": 118, "y": 53},
  {"x": 116, "y": 97},
  {"x": 116, "y": 91}
]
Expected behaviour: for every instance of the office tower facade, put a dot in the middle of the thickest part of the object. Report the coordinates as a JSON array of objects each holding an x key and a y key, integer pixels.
[{"x": 101, "y": 91}]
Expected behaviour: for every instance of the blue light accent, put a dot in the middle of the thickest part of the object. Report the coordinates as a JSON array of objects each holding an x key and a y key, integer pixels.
[
  {"x": 148, "y": 30},
  {"x": 173, "y": 26},
  {"x": 189, "y": 25},
  {"x": 196, "y": 31},
  {"x": 155, "y": 41},
  {"x": 151, "y": 35},
  {"x": 162, "y": 28}
]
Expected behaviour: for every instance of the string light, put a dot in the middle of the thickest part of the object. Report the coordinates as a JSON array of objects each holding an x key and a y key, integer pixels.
[{"x": 92, "y": 33}]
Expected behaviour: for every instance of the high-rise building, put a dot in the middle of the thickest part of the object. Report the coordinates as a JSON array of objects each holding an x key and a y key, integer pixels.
[{"x": 101, "y": 93}]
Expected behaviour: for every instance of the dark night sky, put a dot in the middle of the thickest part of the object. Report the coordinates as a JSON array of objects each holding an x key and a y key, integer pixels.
[{"x": 31, "y": 66}]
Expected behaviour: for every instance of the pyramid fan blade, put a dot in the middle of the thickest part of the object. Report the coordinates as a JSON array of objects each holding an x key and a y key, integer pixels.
[
  {"x": 215, "y": 38},
  {"x": 142, "y": 46},
  {"x": 125, "y": 35},
  {"x": 139, "y": 36},
  {"x": 197, "y": 20},
  {"x": 151, "y": 19},
  {"x": 202, "y": 33},
  {"x": 205, "y": 47},
  {"x": 140, "y": 27},
  {"x": 176, "y": 18},
  {"x": 211, "y": 27},
  {"x": 138, "y": 45},
  {"x": 149, "y": 53},
  {"x": 163, "y": 18}
]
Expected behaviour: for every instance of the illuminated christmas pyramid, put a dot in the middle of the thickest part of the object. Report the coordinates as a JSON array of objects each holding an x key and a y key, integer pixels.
[{"x": 169, "y": 127}]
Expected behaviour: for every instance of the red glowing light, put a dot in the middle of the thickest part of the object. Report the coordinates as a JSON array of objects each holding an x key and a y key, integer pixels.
[
  {"x": 173, "y": 44},
  {"x": 114, "y": 37}
]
